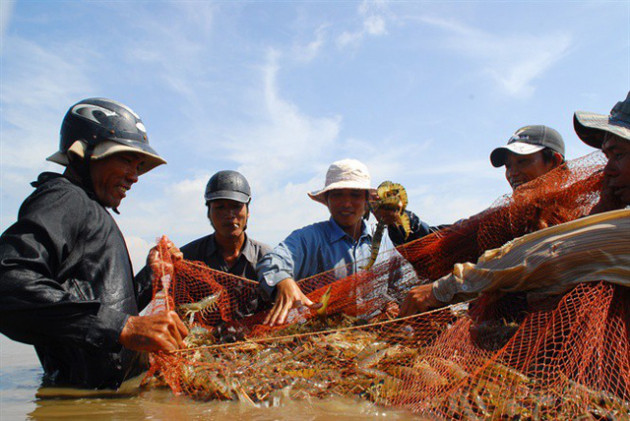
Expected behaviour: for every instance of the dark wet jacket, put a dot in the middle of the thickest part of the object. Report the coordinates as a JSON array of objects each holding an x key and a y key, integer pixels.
[{"x": 67, "y": 287}]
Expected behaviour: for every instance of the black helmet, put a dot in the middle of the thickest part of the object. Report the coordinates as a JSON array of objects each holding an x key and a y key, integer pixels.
[
  {"x": 231, "y": 185},
  {"x": 98, "y": 120}
]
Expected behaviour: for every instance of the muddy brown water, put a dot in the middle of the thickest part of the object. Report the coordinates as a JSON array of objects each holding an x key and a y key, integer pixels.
[{"x": 20, "y": 380}]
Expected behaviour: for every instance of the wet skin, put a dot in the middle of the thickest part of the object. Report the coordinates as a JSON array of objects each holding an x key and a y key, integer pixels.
[
  {"x": 114, "y": 175},
  {"x": 617, "y": 169},
  {"x": 520, "y": 169}
]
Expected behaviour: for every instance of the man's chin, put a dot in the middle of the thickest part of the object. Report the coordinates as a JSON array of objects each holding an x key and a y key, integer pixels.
[{"x": 234, "y": 234}]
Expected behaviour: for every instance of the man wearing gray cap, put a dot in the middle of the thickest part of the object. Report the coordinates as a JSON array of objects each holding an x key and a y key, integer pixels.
[
  {"x": 551, "y": 261},
  {"x": 531, "y": 152}
]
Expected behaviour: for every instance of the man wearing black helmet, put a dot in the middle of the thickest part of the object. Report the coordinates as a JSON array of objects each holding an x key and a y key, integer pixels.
[
  {"x": 228, "y": 249},
  {"x": 66, "y": 281}
]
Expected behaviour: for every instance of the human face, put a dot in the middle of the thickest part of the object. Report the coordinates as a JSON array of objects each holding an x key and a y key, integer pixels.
[
  {"x": 347, "y": 207},
  {"x": 114, "y": 175},
  {"x": 520, "y": 169},
  {"x": 228, "y": 217},
  {"x": 617, "y": 169}
]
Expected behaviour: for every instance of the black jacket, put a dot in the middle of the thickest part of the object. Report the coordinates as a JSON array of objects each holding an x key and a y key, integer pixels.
[
  {"x": 419, "y": 229},
  {"x": 244, "y": 295},
  {"x": 205, "y": 250},
  {"x": 67, "y": 287}
]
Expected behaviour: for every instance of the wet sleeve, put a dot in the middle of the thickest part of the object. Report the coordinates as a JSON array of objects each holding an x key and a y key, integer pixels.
[
  {"x": 549, "y": 261},
  {"x": 34, "y": 306},
  {"x": 284, "y": 261},
  {"x": 144, "y": 286}
]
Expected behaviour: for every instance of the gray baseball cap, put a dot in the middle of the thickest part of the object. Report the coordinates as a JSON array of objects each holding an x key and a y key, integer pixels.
[
  {"x": 591, "y": 127},
  {"x": 528, "y": 140}
]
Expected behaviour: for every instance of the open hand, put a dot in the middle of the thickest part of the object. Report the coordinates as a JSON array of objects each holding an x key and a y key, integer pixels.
[{"x": 288, "y": 296}]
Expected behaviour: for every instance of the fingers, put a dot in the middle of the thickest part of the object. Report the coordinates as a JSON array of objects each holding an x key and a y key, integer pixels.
[
  {"x": 406, "y": 307},
  {"x": 160, "y": 332},
  {"x": 273, "y": 313},
  {"x": 307, "y": 302},
  {"x": 177, "y": 329},
  {"x": 284, "y": 311},
  {"x": 288, "y": 296}
]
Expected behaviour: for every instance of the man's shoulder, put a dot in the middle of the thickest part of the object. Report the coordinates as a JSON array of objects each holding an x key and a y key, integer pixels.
[
  {"x": 193, "y": 249},
  {"x": 52, "y": 190},
  {"x": 50, "y": 181},
  {"x": 316, "y": 229},
  {"x": 258, "y": 245},
  {"x": 254, "y": 250}
]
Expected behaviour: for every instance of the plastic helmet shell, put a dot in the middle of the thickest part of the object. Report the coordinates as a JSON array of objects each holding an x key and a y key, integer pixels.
[
  {"x": 230, "y": 185},
  {"x": 95, "y": 120}
]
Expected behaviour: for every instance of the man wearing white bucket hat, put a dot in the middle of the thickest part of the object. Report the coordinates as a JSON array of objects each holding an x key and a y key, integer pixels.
[
  {"x": 595, "y": 248},
  {"x": 339, "y": 243},
  {"x": 532, "y": 151}
]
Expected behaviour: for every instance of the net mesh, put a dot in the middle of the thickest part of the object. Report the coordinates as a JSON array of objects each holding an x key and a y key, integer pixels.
[{"x": 496, "y": 357}]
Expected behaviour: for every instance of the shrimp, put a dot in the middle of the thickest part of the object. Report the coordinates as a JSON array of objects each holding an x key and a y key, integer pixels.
[{"x": 205, "y": 304}]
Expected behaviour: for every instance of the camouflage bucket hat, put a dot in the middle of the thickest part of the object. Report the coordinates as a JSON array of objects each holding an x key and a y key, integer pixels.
[{"x": 591, "y": 127}]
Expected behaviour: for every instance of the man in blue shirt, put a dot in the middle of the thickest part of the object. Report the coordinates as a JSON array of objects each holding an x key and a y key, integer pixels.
[{"x": 342, "y": 244}]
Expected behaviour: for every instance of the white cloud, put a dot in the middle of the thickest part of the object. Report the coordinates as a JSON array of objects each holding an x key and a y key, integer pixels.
[
  {"x": 284, "y": 142},
  {"x": 35, "y": 97},
  {"x": 513, "y": 61},
  {"x": 138, "y": 251},
  {"x": 175, "y": 52},
  {"x": 308, "y": 52},
  {"x": 373, "y": 22},
  {"x": 38, "y": 85}
]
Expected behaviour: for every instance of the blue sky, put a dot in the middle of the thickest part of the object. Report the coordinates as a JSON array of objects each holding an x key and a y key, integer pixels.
[{"x": 419, "y": 91}]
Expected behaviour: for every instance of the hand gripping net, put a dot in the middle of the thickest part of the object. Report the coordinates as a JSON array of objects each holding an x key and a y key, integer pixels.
[{"x": 568, "y": 358}]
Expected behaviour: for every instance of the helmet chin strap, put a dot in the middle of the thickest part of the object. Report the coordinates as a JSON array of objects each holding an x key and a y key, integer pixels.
[{"x": 86, "y": 175}]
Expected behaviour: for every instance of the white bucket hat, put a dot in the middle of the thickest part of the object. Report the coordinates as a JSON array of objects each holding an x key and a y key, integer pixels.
[
  {"x": 105, "y": 149},
  {"x": 344, "y": 174}
]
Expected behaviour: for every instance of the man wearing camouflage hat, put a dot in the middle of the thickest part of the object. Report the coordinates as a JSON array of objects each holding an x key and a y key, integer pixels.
[
  {"x": 556, "y": 259},
  {"x": 611, "y": 134}
]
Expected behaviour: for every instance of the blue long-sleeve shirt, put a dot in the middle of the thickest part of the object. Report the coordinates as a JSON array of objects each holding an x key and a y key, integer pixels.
[{"x": 318, "y": 248}]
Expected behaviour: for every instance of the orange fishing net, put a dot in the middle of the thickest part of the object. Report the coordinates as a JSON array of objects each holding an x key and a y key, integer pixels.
[{"x": 497, "y": 357}]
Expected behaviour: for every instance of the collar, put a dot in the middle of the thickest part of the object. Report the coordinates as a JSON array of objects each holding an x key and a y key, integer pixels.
[
  {"x": 248, "y": 249},
  {"x": 336, "y": 233}
]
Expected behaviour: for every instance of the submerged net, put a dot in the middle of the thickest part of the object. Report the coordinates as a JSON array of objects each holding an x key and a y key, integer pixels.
[{"x": 496, "y": 357}]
